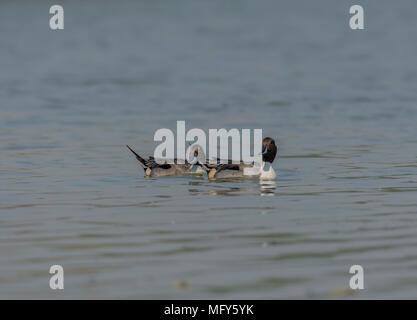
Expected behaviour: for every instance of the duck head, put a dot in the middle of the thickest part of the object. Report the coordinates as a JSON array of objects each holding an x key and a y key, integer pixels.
[{"x": 269, "y": 149}]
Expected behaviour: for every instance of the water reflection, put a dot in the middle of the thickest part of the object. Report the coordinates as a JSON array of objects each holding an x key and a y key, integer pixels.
[
  {"x": 267, "y": 187},
  {"x": 232, "y": 187}
]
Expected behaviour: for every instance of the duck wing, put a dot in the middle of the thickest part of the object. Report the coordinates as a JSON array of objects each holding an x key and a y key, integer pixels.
[{"x": 226, "y": 166}]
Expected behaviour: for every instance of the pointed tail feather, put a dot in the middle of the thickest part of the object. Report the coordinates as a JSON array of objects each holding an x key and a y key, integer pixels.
[{"x": 140, "y": 159}]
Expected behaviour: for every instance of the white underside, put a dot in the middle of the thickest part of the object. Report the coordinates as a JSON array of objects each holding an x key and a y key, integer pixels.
[
  {"x": 268, "y": 174},
  {"x": 261, "y": 171}
]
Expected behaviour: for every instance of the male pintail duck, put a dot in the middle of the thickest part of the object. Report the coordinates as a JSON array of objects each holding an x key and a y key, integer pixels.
[
  {"x": 240, "y": 170},
  {"x": 153, "y": 169}
]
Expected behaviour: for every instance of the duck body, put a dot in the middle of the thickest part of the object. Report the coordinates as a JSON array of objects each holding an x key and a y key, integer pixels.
[
  {"x": 172, "y": 170},
  {"x": 230, "y": 170},
  {"x": 154, "y": 169},
  {"x": 242, "y": 171},
  {"x": 247, "y": 170}
]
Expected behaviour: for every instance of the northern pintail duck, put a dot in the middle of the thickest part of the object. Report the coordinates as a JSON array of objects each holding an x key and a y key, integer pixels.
[
  {"x": 154, "y": 169},
  {"x": 240, "y": 170}
]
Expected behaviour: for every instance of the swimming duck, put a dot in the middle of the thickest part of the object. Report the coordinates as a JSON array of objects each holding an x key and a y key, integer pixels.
[
  {"x": 264, "y": 170},
  {"x": 154, "y": 169}
]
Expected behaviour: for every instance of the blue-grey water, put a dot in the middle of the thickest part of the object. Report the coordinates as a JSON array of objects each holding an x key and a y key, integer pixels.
[{"x": 340, "y": 103}]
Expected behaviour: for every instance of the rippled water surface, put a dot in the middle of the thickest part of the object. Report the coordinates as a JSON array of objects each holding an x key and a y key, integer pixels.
[{"x": 341, "y": 104}]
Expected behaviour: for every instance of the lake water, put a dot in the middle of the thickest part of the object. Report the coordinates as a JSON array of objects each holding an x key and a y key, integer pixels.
[{"x": 340, "y": 103}]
